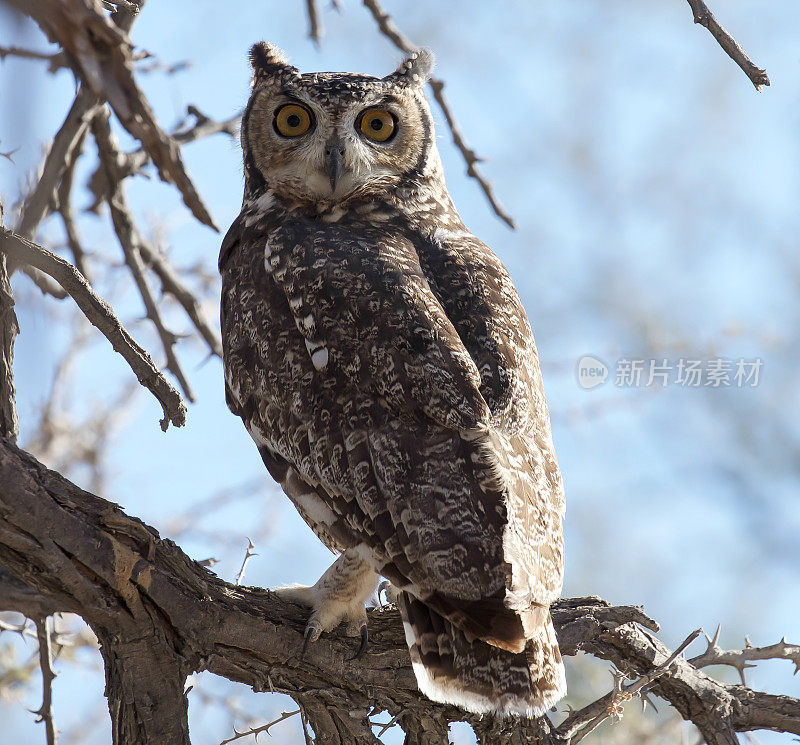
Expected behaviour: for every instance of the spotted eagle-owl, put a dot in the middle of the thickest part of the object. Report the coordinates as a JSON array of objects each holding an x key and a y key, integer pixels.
[{"x": 381, "y": 359}]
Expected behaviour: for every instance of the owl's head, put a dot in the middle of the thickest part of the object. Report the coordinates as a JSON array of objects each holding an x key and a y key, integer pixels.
[{"x": 326, "y": 137}]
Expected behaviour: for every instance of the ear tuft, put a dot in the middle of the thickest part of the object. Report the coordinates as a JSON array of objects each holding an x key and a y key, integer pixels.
[
  {"x": 269, "y": 60},
  {"x": 414, "y": 70}
]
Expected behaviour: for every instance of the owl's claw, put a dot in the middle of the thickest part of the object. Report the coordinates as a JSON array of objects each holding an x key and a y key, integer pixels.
[
  {"x": 312, "y": 633},
  {"x": 362, "y": 646},
  {"x": 337, "y": 597},
  {"x": 389, "y": 592}
]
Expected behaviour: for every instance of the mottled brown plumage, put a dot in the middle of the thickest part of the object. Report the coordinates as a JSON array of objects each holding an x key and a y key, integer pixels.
[{"x": 382, "y": 361}]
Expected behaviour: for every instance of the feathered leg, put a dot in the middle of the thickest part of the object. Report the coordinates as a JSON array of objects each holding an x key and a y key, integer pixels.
[{"x": 338, "y": 596}]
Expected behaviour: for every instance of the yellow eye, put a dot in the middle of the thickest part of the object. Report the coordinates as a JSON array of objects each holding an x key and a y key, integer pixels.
[
  {"x": 292, "y": 120},
  {"x": 377, "y": 124}
]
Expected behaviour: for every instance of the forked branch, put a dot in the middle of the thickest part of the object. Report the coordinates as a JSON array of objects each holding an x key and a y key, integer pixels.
[
  {"x": 102, "y": 317},
  {"x": 85, "y": 555}
]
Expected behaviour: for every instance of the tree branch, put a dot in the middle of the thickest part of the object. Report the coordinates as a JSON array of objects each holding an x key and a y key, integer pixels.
[
  {"x": 45, "y": 713},
  {"x": 101, "y": 53},
  {"x": 132, "y": 242},
  {"x": 101, "y": 316},
  {"x": 9, "y": 328},
  {"x": 388, "y": 28},
  {"x": 68, "y": 138},
  {"x": 741, "y": 659},
  {"x": 315, "y": 29},
  {"x": 158, "y": 610},
  {"x": 705, "y": 17}
]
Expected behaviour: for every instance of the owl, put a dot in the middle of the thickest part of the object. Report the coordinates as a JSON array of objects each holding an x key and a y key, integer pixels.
[{"x": 380, "y": 358}]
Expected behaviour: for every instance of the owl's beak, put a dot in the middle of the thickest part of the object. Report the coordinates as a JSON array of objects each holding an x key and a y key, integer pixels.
[{"x": 334, "y": 155}]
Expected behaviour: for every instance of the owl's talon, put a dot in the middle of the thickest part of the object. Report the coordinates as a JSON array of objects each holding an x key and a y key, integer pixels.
[
  {"x": 389, "y": 593},
  {"x": 311, "y": 635},
  {"x": 362, "y": 646}
]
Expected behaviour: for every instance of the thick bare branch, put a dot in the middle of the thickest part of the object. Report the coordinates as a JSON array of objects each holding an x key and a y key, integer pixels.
[
  {"x": 100, "y": 315},
  {"x": 87, "y": 556},
  {"x": 69, "y": 137},
  {"x": 132, "y": 242},
  {"x": 388, "y": 28},
  {"x": 102, "y": 55},
  {"x": 705, "y": 17},
  {"x": 9, "y": 328},
  {"x": 134, "y": 162}
]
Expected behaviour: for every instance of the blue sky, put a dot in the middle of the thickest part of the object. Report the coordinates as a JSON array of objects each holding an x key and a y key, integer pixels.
[{"x": 657, "y": 200}]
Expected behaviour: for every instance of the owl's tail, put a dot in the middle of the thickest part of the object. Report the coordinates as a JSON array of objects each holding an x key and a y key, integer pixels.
[{"x": 454, "y": 669}]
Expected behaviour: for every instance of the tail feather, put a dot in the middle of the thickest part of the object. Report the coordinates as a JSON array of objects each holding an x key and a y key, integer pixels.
[{"x": 454, "y": 668}]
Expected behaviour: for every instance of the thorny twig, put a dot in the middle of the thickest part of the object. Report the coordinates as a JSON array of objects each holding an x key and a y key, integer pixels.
[
  {"x": 45, "y": 713},
  {"x": 388, "y": 28},
  {"x": 384, "y": 728},
  {"x": 8, "y": 155},
  {"x": 741, "y": 658},
  {"x": 256, "y": 731},
  {"x": 581, "y": 723},
  {"x": 705, "y": 17},
  {"x": 249, "y": 554}
]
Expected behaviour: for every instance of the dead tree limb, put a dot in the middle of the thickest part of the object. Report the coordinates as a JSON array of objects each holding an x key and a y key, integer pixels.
[
  {"x": 102, "y": 317},
  {"x": 705, "y": 17},
  {"x": 132, "y": 242},
  {"x": 101, "y": 54},
  {"x": 9, "y": 328},
  {"x": 160, "y": 616}
]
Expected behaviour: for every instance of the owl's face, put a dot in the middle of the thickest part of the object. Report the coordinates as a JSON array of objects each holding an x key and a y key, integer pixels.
[{"x": 324, "y": 137}]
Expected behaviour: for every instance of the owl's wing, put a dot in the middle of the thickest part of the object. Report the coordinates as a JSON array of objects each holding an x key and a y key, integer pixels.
[
  {"x": 368, "y": 316},
  {"x": 477, "y": 293}
]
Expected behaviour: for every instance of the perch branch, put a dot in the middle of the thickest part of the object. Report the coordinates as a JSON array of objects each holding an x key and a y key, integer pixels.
[
  {"x": 101, "y": 316},
  {"x": 705, "y": 17},
  {"x": 388, "y": 28},
  {"x": 150, "y": 604}
]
